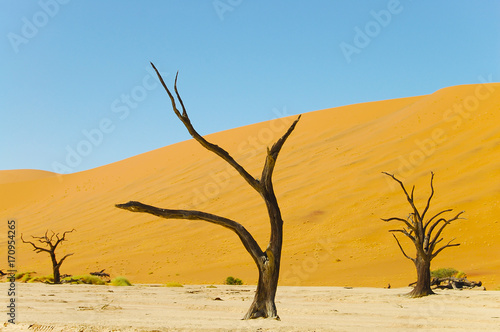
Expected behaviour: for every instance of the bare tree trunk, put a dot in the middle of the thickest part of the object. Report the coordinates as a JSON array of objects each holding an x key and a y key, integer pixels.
[
  {"x": 423, "y": 286},
  {"x": 263, "y": 303},
  {"x": 55, "y": 269}
]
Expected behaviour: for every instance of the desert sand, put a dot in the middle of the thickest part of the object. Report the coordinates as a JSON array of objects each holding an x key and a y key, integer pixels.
[
  {"x": 195, "y": 308},
  {"x": 329, "y": 186}
]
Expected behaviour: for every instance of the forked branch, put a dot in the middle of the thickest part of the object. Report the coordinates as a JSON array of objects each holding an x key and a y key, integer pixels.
[
  {"x": 405, "y": 232},
  {"x": 449, "y": 244},
  {"x": 410, "y": 226},
  {"x": 434, "y": 217},
  {"x": 408, "y": 197},
  {"x": 430, "y": 197},
  {"x": 209, "y": 146},
  {"x": 435, "y": 240},
  {"x": 48, "y": 241},
  {"x": 272, "y": 154},
  {"x": 62, "y": 259}
]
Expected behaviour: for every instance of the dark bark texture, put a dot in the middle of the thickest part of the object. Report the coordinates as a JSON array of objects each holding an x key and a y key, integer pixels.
[
  {"x": 267, "y": 261},
  {"x": 425, "y": 235}
]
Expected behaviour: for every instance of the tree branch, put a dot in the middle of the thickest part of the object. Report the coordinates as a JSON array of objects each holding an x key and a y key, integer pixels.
[
  {"x": 431, "y": 229},
  {"x": 272, "y": 155},
  {"x": 408, "y": 198},
  {"x": 62, "y": 259},
  {"x": 36, "y": 248},
  {"x": 445, "y": 246},
  {"x": 63, "y": 238},
  {"x": 446, "y": 223},
  {"x": 246, "y": 238},
  {"x": 209, "y": 146},
  {"x": 44, "y": 238},
  {"x": 434, "y": 217},
  {"x": 402, "y": 250},
  {"x": 430, "y": 197},
  {"x": 184, "y": 113},
  {"x": 405, "y": 232},
  {"x": 410, "y": 226}
]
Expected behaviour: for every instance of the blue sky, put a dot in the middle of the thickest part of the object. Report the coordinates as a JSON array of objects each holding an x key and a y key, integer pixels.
[{"x": 77, "y": 90}]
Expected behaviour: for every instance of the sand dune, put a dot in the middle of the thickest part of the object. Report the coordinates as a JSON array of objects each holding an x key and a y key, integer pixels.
[{"x": 328, "y": 181}]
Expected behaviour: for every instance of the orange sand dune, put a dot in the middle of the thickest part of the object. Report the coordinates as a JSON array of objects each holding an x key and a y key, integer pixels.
[{"x": 329, "y": 184}]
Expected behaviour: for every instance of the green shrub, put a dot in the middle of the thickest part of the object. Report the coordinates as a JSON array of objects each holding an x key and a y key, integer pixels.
[
  {"x": 28, "y": 277},
  {"x": 211, "y": 286},
  {"x": 24, "y": 276},
  {"x": 45, "y": 279},
  {"x": 120, "y": 281},
  {"x": 233, "y": 281},
  {"x": 173, "y": 284},
  {"x": 447, "y": 273},
  {"x": 85, "y": 279}
]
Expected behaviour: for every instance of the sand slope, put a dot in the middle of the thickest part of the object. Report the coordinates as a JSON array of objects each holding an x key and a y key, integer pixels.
[{"x": 328, "y": 181}]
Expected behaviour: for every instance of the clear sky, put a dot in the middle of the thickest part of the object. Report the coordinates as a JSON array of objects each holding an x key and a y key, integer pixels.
[{"x": 76, "y": 89}]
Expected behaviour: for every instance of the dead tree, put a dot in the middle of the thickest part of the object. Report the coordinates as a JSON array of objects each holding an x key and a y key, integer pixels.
[
  {"x": 425, "y": 235},
  {"x": 101, "y": 274},
  {"x": 454, "y": 283},
  {"x": 268, "y": 260},
  {"x": 50, "y": 242}
]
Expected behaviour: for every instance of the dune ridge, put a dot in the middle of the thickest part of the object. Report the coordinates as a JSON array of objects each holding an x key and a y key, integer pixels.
[
  {"x": 328, "y": 182},
  {"x": 20, "y": 175}
]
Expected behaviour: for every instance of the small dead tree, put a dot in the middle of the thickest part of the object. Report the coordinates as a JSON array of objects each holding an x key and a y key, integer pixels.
[
  {"x": 50, "y": 243},
  {"x": 425, "y": 235},
  {"x": 268, "y": 260}
]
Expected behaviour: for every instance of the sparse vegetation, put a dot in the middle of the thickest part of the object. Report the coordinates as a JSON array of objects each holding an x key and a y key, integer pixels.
[
  {"x": 173, "y": 284},
  {"x": 44, "y": 279},
  {"x": 211, "y": 286},
  {"x": 84, "y": 279},
  {"x": 24, "y": 276},
  {"x": 233, "y": 281},
  {"x": 28, "y": 277},
  {"x": 120, "y": 281}
]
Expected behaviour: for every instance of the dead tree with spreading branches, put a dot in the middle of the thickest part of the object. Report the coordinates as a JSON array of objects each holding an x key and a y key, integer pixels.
[
  {"x": 268, "y": 260},
  {"x": 49, "y": 245},
  {"x": 425, "y": 235}
]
